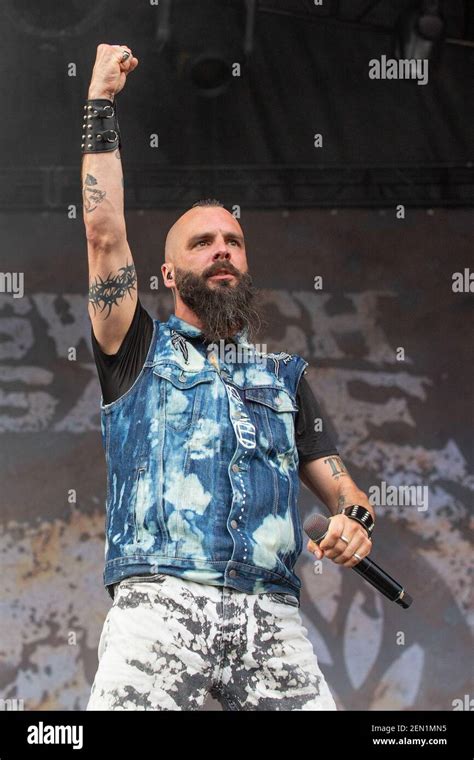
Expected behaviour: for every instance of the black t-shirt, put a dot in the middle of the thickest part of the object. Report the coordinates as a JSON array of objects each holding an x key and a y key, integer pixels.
[{"x": 117, "y": 373}]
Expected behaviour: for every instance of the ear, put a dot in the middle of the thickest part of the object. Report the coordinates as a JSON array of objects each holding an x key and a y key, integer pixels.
[{"x": 167, "y": 276}]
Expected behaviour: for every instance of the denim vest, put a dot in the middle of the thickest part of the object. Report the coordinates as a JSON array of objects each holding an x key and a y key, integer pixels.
[{"x": 202, "y": 466}]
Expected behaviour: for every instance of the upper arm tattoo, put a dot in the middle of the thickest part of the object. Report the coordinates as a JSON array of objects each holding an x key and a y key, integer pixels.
[
  {"x": 337, "y": 466},
  {"x": 105, "y": 293},
  {"x": 92, "y": 196}
]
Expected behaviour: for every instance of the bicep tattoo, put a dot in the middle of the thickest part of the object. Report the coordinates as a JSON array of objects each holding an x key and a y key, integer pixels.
[
  {"x": 92, "y": 196},
  {"x": 103, "y": 294},
  {"x": 337, "y": 466}
]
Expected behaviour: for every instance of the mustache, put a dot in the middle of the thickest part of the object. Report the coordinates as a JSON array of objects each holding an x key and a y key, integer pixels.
[{"x": 228, "y": 268}]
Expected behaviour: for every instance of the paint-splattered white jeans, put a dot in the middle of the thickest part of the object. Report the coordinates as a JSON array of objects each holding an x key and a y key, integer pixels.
[{"x": 167, "y": 642}]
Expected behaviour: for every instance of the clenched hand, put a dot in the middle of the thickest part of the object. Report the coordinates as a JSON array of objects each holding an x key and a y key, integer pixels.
[
  {"x": 110, "y": 72},
  {"x": 345, "y": 537}
]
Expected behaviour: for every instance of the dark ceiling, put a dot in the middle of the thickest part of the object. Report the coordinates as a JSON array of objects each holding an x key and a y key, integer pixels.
[{"x": 304, "y": 70}]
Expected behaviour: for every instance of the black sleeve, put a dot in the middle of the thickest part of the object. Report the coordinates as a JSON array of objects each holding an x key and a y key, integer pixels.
[
  {"x": 117, "y": 372},
  {"x": 311, "y": 444}
]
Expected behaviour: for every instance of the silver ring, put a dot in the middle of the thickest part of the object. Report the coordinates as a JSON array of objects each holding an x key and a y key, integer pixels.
[
  {"x": 125, "y": 55},
  {"x": 356, "y": 555},
  {"x": 343, "y": 538}
]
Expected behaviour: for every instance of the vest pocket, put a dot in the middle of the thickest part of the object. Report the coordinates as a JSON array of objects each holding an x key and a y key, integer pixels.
[
  {"x": 274, "y": 410},
  {"x": 145, "y": 518},
  {"x": 183, "y": 395},
  {"x": 139, "y": 503}
]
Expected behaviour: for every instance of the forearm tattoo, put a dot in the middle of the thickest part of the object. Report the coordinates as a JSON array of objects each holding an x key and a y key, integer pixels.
[
  {"x": 337, "y": 466},
  {"x": 103, "y": 294},
  {"x": 341, "y": 502},
  {"x": 92, "y": 196}
]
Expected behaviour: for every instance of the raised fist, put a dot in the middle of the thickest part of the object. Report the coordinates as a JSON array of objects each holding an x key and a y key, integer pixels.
[{"x": 110, "y": 72}]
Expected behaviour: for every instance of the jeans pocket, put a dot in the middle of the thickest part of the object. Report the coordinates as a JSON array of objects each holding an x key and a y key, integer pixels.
[
  {"x": 143, "y": 578},
  {"x": 290, "y": 599},
  {"x": 135, "y": 580}
]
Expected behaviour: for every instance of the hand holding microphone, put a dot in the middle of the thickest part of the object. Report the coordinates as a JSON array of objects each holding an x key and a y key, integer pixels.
[
  {"x": 319, "y": 528},
  {"x": 345, "y": 541}
]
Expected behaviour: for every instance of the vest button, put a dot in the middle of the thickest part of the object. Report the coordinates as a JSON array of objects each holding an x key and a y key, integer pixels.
[
  {"x": 235, "y": 468},
  {"x": 232, "y": 573},
  {"x": 234, "y": 524}
]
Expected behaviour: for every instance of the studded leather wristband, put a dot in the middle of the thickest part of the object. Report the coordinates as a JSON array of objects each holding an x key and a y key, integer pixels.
[
  {"x": 361, "y": 515},
  {"x": 100, "y": 128}
]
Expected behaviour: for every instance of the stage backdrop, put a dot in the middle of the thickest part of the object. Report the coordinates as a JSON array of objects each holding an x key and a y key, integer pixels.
[{"x": 389, "y": 344}]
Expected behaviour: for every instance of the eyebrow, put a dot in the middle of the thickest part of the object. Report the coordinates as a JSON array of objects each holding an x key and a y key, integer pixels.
[{"x": 210, "y": 235}]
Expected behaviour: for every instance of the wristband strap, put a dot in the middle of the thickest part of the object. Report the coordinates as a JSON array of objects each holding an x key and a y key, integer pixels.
[
  {"x": 361, "y": 515},
  {"x": 100, "y": 130}
]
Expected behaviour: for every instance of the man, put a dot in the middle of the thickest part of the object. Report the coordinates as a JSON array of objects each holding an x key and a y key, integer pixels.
[{"x": 205, "y": 441}]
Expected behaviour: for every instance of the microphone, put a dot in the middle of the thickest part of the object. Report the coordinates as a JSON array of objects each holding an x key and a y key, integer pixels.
[{"x": 316, "y": 526}]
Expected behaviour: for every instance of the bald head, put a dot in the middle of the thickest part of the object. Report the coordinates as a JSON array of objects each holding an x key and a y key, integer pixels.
[{"x": 205, "y": 221}]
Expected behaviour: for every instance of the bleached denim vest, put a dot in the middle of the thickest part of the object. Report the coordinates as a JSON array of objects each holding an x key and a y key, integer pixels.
[{"x": 202, "y": 466}]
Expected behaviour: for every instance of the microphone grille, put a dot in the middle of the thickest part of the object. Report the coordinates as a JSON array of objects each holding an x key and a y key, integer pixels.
[{"x": 315, "y": 526}]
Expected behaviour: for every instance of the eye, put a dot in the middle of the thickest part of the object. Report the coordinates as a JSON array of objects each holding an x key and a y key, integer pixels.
[{"x": 201, "y": 241}]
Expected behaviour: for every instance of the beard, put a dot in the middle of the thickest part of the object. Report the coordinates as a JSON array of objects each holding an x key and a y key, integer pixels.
[{"x": 223, "y": 309}]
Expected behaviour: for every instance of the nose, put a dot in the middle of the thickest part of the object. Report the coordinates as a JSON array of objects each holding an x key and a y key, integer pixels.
[
  {"x": 223, "y": 254},
  {"x": 222, "y": 250}
]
